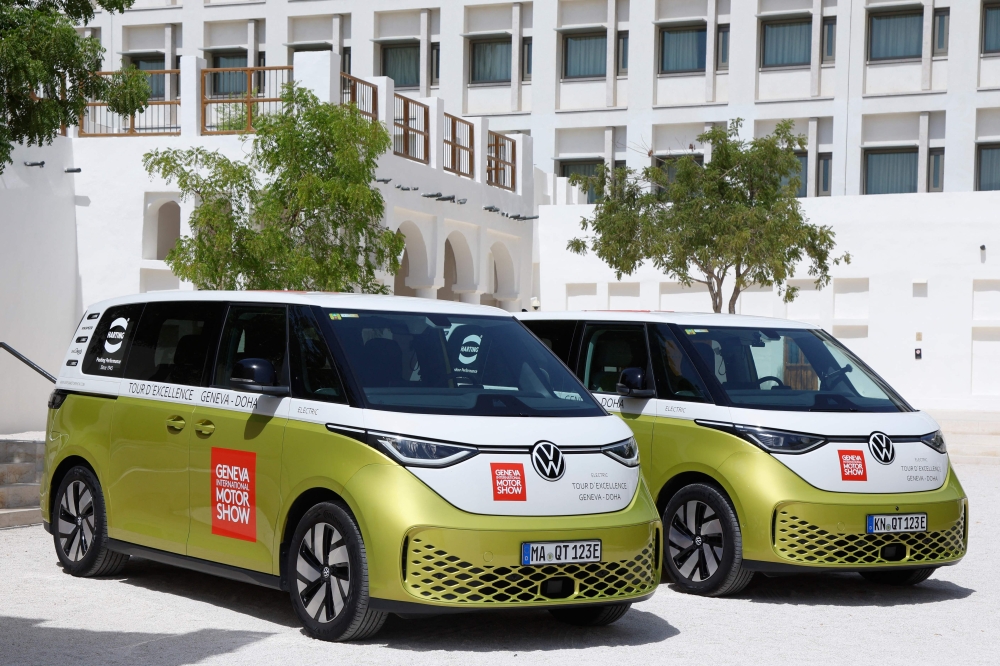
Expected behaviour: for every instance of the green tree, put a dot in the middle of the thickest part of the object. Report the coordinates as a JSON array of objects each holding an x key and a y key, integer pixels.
[
  {"x": 299, "y": 213},
  {"x": 47, "y": 71},
  {"x": 736, "y": 216}
]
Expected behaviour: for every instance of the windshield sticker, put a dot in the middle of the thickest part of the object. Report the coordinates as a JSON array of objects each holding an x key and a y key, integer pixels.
[
  {"x": 335, "y": 316},
  {"x": 695, "y": 331},
  {"x": 470, "y": 349},
  {"x": 508, "y": 482},
  {"x": 116, "y": 335},
  {"x": 852, "y": 466},
  {"x": 234, "y": 495}
]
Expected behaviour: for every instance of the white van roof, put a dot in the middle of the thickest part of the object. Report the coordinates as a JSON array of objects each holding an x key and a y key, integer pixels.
[
  {"x": 346, "y": 301},
  {"x": 667, "y": 317}
]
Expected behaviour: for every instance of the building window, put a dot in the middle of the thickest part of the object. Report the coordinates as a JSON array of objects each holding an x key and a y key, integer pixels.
[
  {"x": 787, "y": 44},
  {"x": 682, "y": 50},
  {"x": 585, "y": 169},
  {"x": 722, "y": 49},
  {"x": 402, "y": 64},
  {"x": 436, "y": 63},
  {"x": 891, "y": 171},
  {"x": 156, "y": 82},
  {"x": 942, "y": 21},
  {"x": 490, "y": 62},
  {"x": 824, "y": 168},
  {"x": 991, "y": 29},
  {"x": 623, "y": 53},
  {"x": 802, "y": 175},
  {"x": 526, "y": 59},
  {"x": 668, "y": 164},
  {"x": 829, "y": 40},
  {"x": 345, "y": 60},
  {"x": 229, "y": 83},
  {"x": 935, "y": 170},
  {"x": 988, "y": 177},
  {"x": 585, "y": 56},
  {"x": 895, "y": 36}
]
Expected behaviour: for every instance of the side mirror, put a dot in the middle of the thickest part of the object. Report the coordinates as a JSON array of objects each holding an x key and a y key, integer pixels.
[
  {"x": 632, "y": 384},
  {"x": 256, "y": 375}
]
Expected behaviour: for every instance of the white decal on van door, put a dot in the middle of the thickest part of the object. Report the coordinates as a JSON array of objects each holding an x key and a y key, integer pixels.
[
  {"x": 116, "y": 333},
  {"x": 470, "y": 349}
]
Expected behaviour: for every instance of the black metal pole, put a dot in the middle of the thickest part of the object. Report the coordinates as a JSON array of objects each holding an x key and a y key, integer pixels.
[{"x": 28, "y": 362}]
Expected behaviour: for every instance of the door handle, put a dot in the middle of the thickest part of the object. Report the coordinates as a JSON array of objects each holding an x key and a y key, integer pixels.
[
  {"x": 204, "y": 427},
  {"x": 176, "y": 423}
]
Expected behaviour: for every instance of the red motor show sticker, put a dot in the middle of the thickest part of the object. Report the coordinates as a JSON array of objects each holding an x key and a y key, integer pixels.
[
  {"x": 852, "y": 466},
  {"x": 508, "y": 482},
  {"x": 234, "y": 496}
]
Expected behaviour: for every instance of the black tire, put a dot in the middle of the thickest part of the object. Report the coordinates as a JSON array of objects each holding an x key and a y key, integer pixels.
[
  {"x": 80, "y": 527},
  {"x": 703, "y": 545},
  {"x": 899, "y": 577},
  {"x": 328, "y": 576},
  {"x": 590, "y": 616}
]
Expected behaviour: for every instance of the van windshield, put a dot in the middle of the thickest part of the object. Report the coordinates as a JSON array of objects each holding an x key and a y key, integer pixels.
[
  {"x": 451, "y": 364},
  {"x": 789, "y": 369}
]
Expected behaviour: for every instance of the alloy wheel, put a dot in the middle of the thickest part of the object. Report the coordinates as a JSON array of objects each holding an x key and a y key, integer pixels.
[
  {"x": 323, "y": 572},
  {"x": 696, "y": 541},
  {"x": 76, "y": 521}
]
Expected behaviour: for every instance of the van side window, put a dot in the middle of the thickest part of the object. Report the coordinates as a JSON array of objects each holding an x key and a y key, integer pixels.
[
  {"x": 676, "y": 377},
  {"x": 172, "y": 342},
  {"x": 111, "y": 341},
  {"x": 252, "y": 331},
  {"x": 556, "y": 335},
  {"x": 607, "y": 350},
  {"x": 314, "y": 374}
]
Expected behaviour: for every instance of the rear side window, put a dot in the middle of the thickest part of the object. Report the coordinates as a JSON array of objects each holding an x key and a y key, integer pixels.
[
  {"x": 607, "y": 350},
  {"x": 252, "y": 331},
  {"x": 174, "y": 342},
  {"x": 110, "y": 343},
  {"x": 676, "y": 377},
  {"x": 314, "y": 374},
  {"x": 556, "y": 335}
]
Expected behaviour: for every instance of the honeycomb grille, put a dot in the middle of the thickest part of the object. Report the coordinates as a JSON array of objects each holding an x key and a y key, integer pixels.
[
  {"x": 435, "y": 575},
  {"x": 797, "y": 540}
]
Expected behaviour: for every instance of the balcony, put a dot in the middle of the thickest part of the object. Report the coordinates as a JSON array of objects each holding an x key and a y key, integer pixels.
[{"x": 161, "y": 117}]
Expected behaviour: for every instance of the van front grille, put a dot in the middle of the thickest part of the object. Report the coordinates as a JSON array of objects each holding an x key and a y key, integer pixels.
[
  {"x": 435, "y": 575},
  {"x": 798, "y": 540}
]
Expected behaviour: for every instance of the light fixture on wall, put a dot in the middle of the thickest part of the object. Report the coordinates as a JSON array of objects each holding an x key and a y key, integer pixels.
[
  {"x": 461, "y": 201},
  {"x": 450, "y": 197},
  {"x": 35, "y": 164},
  {"x": 492, "y": 209},
  {"x": 382, "y": 180},
  {"x": 430, "y": 195},
  {"x": 72, "y": 170}
]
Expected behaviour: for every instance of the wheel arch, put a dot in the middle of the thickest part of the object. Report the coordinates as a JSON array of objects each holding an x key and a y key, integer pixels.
[
  {"x": 60, "y": 472},
  {"x": 688, "y": 477},
  {"x": 304, "y": 501}
]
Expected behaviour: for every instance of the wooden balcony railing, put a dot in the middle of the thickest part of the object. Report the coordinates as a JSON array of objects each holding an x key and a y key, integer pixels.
[
  {"x": 459, "y": 146},
  {"x": 411, "y": 130},
  {"x": 501, "y": 161},
  {"x": 161, "y": 117},
  {"x": 361, "y": 94},
  {"x": 233, "y": 97}
]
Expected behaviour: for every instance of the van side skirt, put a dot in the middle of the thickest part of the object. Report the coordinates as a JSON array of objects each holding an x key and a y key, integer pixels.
[{"x": 196, "y": 564}]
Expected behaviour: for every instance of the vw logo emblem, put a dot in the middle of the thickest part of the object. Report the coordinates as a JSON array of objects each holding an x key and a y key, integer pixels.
[
  {"x": 881, "y": 448},
  {"x": 548, "y": 461}
]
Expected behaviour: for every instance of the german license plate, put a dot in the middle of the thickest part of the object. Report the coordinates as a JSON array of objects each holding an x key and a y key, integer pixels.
[
  {"x": 560, "y": 552},
  {"x": 897, "y": 522}
]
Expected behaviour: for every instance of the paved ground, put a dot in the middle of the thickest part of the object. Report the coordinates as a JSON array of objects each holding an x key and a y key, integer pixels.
[{"x": 164, "y": 617}]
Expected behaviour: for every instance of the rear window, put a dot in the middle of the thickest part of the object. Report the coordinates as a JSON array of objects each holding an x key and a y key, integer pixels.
[
  {"x": 174, "y": 342},
  {"x": 109, "y": 346}
]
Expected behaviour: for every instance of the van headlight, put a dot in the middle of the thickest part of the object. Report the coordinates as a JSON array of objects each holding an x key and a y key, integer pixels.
[
  {"x": 780, "y": 441},
  {"x": 935, "y": 440},
  {"x": 421, "y": 452},
  {"x": 626, "y": 452}
]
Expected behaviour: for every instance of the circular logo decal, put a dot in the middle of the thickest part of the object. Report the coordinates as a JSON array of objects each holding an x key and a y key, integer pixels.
[
  {"x": 881, "y": 448},
  {"x": 548, "y": 461},
  {"x": 116, "y": 335},
  {"x": 470, "y": 349}
]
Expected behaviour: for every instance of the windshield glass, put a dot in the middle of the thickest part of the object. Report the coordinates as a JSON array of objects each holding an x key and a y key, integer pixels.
[
  {"x": 450, "y": 364},
  {"x": 789, "y": 369}
]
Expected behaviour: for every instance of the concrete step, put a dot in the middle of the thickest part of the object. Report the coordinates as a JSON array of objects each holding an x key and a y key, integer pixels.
[
  {"x": 19, "y": 473},
  {"x": 17, "y": 517},
  {"x": 21, "y": 451},
  {"x": 19, "y": 495}
]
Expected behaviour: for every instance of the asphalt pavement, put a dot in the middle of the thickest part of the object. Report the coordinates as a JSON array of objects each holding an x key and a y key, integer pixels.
[{"x": 160, "y": 616}]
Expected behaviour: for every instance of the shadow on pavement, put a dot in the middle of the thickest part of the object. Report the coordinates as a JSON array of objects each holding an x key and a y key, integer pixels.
[
  {"x": 259, "y": 602},
  {"x": 847, "y": 589},
  {"x": 30, "y": 641},
  {"x": 516, "y": 631}
]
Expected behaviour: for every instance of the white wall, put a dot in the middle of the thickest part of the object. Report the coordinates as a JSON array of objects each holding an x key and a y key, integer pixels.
[
  {"x": 39, "y": 291},
  {"x": 916, "y": 268}
]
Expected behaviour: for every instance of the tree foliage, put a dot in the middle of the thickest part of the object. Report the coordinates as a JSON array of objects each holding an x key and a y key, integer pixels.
[
  {"x": 299, "y": 213},
  {"x": 737, "y": 216},
  {"x": 47, "y": 71}
]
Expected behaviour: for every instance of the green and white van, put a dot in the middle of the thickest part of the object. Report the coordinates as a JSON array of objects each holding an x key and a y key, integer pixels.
[{"x": 768, "y": 447}]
